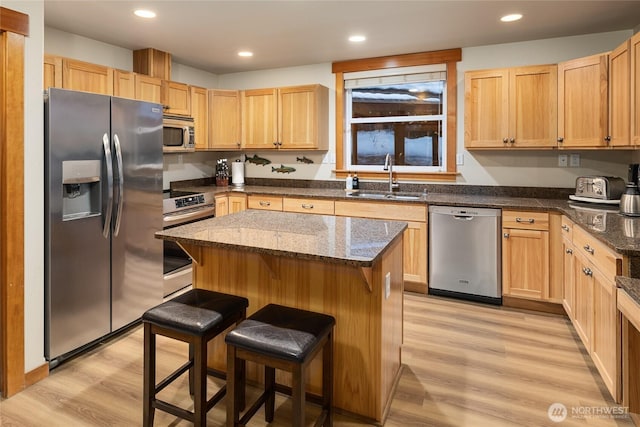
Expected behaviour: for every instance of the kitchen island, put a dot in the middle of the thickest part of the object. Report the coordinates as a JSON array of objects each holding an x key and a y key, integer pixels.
[{"x": 350, "y": 268}]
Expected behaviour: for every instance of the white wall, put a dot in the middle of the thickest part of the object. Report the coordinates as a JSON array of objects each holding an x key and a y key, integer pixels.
[{"x": 33, "y": 184}]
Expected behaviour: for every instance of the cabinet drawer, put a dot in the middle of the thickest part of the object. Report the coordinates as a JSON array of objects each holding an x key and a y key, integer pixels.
[
  {"x": 603, "y": 258},
  {"x": 567, "y": 228},
  {"x": 314, "y": 206},
  {"x": 270, "y": 203},
  {"x": 525, "y": 220},
  {"x": 394, "y": 211}
]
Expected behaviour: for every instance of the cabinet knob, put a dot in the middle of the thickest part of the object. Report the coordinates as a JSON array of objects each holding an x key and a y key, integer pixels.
[
  {"x": 307, "y": 206},
  {"x": 275, "y": 143},
  {"x": 505, "y": 140},
  {"x": 506, "y": 235},
  {"x": 265, "y": 203},
  {"x": 569, "y": 251},
  {"x": 565, "y": 227},
  {"x": 589, "y": 249},
  {"x": 607, "y": 139},
  {"x": 587, "y": 271},
  {"x": 560, "y": 139},
  {"x": 512, "y": 140}
]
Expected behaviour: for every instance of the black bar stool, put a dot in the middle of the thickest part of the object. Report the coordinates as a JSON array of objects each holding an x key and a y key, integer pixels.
[
  {"x": 195, "y": 317},
  {"x": 282, "y": 338}
]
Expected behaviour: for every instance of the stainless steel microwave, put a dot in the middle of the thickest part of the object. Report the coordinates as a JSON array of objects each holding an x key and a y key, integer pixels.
[{"x": 177, "y": 134}]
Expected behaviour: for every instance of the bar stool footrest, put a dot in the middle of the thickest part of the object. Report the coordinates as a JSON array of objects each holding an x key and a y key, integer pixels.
[{"x": 168, "y": 380}]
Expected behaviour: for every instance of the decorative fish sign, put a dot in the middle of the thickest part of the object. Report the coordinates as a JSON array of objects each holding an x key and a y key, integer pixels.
[
  {"x": 304, "y": 160},
  {"x": 257, "y": 160},
  {"x": 283, "y": 169}
]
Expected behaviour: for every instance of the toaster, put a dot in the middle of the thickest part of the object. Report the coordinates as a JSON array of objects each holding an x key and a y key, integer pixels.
[{"x": 600, "y": 187}]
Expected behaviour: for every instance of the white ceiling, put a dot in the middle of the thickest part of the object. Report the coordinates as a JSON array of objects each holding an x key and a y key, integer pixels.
[{"x": 207, "y": 34}]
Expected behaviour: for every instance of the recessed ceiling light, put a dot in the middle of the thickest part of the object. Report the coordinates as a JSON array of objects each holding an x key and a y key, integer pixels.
[
  {"x": 511, "y": 17},
  {"x": 245, "y": 53},
  {"x": 142, "y": 13},
  {"x": 357, "y": 39}
]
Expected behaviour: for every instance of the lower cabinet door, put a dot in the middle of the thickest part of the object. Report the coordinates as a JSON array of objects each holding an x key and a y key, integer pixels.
[
  {"x": 583, "y": 307},
  {"x": 525, "y": 263}
]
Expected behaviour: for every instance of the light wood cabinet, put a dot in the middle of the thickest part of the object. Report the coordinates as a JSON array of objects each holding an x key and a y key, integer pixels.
[
  {"x": 200, "y": 113},
  {"x": 620, "y": 96},
  {"x": 511, "y": 107},
  {"x": 310, "y": 206},
  {"x": 124, "y": 84},
  {"x": 176, "y": 98},
  {"x": 264, "y": 202},
  {"x": 224, "y": 120},
  {"x": 86, "y": 77},
  {"x": 152, "y": 63},
  {"x": 415, "y": 236},
  {"x": 582, "y": 102},
  {"x": 294, "y": 118},
  {"x": 52, "y": 69},
  {"x": 595, "y": 310},
  {"x": 148, "y": 88},
  {"x": 525, "y": 254},
  {"x": 634, "y": 49},
  {"x": 229, "y": 204},
  {"x": 568, "y": 269}
]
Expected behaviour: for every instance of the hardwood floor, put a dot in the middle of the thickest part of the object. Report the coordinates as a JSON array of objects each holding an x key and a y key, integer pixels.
[{"x": 465, "y": 364}]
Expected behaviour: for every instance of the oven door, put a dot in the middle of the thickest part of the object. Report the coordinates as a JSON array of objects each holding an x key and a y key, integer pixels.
[{"x": 177, "y": 264}]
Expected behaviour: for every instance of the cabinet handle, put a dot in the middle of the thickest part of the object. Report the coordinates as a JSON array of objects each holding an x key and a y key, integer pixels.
[
  {"x": 569, "y": 251},
  {"x": 512, "y": 140},
  {"x": 560, "y": 139},
  {"x": 307, "y": 206},
  {"x": 505, "y": 140},
  {"x": 275, "y": 143},
  {"x": 607, "y": 139},
  {"x": 587, "y": 271},
  {"x": 264, "y": 203},
  {"x": 565, "y": 227},
  {"x": 589, "y": 249},
  {"x": 506, "y": 235},
  {"x": 530, "y": 220}
]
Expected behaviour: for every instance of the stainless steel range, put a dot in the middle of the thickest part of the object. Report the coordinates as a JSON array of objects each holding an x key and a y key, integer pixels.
[{"x": 179, "y": 208}]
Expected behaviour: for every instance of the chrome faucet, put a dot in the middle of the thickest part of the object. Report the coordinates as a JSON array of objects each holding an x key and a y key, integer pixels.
[{"x": 388, "y": 166}]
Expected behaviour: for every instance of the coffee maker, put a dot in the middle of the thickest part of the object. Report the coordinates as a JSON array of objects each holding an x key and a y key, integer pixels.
[{"x": 630, "y": 199}]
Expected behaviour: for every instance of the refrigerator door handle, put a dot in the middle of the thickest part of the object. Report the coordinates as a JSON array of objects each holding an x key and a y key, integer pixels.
[
  {"x": 107, "y": 158},
  {"x": 116, "y": 144}
]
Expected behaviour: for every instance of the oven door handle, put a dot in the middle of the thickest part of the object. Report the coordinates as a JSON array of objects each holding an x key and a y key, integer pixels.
[{"x": 169, "y": 220}]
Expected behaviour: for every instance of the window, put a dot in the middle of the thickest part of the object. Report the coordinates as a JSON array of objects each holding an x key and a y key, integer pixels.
[
  {"x": 403, "y": 105},
  {"x": 400, "y": 113}
]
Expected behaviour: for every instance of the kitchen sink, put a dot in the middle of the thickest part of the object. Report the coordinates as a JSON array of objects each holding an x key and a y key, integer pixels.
[{"x": 389, "y": 196}]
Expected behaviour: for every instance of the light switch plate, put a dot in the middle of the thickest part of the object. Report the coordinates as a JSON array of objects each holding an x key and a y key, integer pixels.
[
  {"x": 563, "y": 160},
  {"x": 574, "y": 160}
]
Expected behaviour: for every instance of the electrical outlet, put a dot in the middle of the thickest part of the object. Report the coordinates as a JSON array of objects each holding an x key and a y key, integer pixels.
[
  {"x": 574, "y": 160},
  {"x": 387, "y": 285},
  {"x": 460, "y": 159},
  {"x": 563, "y": 160}
]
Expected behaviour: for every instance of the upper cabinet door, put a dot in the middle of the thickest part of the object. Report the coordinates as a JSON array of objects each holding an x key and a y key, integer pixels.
[
  {"x": 635, "y": 89},
  {"x": 486, "y": 113},
  {"x": 124, "y": 84},
  {"x": 176, "y": 98},
  {"x": 582, "y": 102},
  {"x": 200, "y": 114},
  {"x": 533, "y": 106},
  {"x": 86, "y": 77},
  {"x": 620, "y": 96},
  {"x": 300, "y": 112},
  {"x": 224, "y": 119},
  {"x": 148, "y": 88},
  {"x": 259, "y": 119}
]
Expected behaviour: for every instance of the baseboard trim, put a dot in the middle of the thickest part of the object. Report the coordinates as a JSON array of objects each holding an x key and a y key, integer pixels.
[
  {"x": 527, "y": 304},
  {"x": 420, "y": 288},
  {"x": 37, "y": 374}
]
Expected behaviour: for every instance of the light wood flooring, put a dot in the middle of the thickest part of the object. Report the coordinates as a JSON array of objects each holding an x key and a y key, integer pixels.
[{"x": 465, "y": 364}]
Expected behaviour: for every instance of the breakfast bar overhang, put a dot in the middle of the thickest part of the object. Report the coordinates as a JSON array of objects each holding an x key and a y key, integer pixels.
[{"x": 350, "y": 268}]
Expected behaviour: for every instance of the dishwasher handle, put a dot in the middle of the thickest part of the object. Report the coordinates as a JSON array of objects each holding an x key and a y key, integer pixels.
[{"x": 463, "y": 217}]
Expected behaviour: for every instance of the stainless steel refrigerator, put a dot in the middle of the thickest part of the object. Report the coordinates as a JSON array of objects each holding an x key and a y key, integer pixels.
[{"x": 103, "y": 204}]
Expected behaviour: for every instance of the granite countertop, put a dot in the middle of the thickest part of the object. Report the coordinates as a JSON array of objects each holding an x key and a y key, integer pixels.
[
  {"x": 630, "y": 286},
  {"x": 619, "y": 232},
  {"x": 353, "y": 241}
]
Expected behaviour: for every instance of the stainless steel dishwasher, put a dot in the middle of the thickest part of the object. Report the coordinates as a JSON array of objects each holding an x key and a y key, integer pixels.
[{"x": 464, "y": 253}]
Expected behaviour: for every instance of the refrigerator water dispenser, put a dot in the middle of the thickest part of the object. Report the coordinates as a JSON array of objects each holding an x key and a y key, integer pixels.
[{"x": 81, "y": 189}]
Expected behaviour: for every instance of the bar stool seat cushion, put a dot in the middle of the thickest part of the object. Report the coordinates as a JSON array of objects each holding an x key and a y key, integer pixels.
[
  {"x": 196, "y": 311},
  {"x": 281, "y": 332}
]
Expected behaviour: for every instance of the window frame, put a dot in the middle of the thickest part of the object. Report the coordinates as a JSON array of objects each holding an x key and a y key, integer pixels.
[{"x": 448, "y": 57}]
